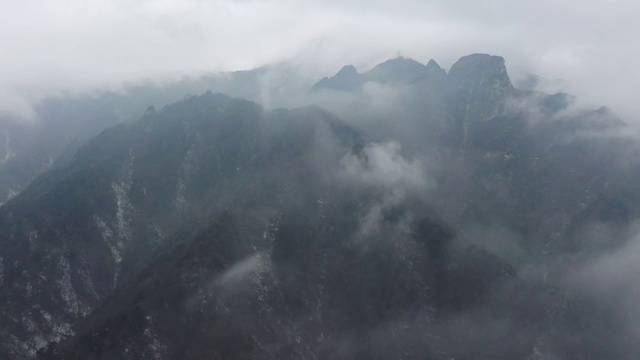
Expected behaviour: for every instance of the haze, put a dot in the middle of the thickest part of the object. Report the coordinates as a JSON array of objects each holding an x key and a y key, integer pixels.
[{"x": 53, "y": 46}]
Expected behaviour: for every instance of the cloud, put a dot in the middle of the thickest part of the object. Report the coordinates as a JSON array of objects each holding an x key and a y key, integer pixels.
[
  {"x": 381, "y": 165},
  {"x": 614, "y": 280},
  {"x": 242, "y": 270},
  {"x": 381, "y": 169},
  {"x": 50, "y": 46}
]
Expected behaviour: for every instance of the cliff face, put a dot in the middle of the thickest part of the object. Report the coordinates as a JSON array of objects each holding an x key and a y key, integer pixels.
[{"x": 478, "y": 88}]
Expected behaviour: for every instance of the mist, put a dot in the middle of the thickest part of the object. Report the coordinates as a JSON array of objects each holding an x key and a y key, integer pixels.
[
  {"x": 210, "y": 179},
  {"x": 79, "y": 46}
]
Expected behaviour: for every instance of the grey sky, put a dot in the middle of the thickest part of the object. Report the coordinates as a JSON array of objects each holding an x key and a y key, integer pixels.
[{"x": 47, "y": 46}]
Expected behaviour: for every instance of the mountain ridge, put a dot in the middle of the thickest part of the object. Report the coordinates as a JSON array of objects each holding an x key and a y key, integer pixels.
[{"x": 412, "y": 217}]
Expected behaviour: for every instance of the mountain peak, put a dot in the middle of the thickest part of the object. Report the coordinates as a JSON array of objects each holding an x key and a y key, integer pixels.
[
  {"x": 398, "y": 70},
  {"x": 347, "y": 79},
  {"x": 478, "y": 89},
  {"x": 347, "y": 70},
  {"x": 480, "y": 69},
  {"x": 150, "y": 112},
  {"x": 435, "y": 72},
  {"x": 432, "y": 66}
]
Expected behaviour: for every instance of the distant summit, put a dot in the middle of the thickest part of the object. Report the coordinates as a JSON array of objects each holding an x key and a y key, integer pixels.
[
  {"x": 398, "y": 71},
  {"x": 470, "y": 73},
  {"x": 347, "y": 79},
  {"x": 454, "y": 107},
  {"x": 434, "y": 69}
]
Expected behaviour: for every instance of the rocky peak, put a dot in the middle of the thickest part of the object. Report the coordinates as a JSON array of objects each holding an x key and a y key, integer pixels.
[
  {"x": 150, "y": 112},
  {"x": 433, "y": 67},
  {"x": 395, "y": 71},
  {"x": 434, "y": 73},
  {"x": 347, "y": 79},
  {"x": 347, "y": 70},
  {"x": 480, "y": 72},
  {"x": 398, "y": 70},
  {"x": 478, "y": 88}
]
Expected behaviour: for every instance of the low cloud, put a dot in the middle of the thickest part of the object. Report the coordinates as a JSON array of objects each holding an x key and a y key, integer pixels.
[
  {"x": 241, "y": 270},
  {"x": 381, "y": 165},
  {"x": 51, "y": 47},
  {"x": 382, "y": 169}
]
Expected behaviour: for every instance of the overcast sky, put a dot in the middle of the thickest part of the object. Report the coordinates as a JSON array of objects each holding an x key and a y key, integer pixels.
[{"x": 47, "y": 46}]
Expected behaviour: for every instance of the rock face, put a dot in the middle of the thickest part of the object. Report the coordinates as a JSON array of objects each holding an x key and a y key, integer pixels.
[
  {"x": 480, "y": 79},
  {"x": 479, "y": 89},
  {"x": 214, "y": 228}
]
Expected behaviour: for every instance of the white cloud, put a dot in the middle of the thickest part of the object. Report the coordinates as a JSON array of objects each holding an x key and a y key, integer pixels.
[
  {"x": 383, "y": 166},
  {"x": 613, "y": 278},
  {"x": 77, "y": 44}
]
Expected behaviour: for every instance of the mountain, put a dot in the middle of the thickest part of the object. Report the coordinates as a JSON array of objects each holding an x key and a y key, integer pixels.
[
  {"x": 394, "y": 71},
  {"x": 64, "y": 122},
  {"x": 304, "y": 289},
  {"x": 438, "y": 215},
  {"x": 88, "y": 225},
  {"x": 347, "y": 79},
  {"x": 503, "y": 157}
]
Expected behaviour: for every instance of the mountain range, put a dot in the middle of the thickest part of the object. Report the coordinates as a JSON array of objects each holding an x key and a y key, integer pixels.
[{"x": 403, "y": 212}]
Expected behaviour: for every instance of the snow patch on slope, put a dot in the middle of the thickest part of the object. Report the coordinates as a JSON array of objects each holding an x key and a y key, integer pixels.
[
  {"x": 45, "y": 329},
  {"x": 67, "y": 292},
  {"x": 33, "y": 236},
  {"x": 117, "y": 238},
  {"x": 8, "y": 154},
  {"x": 114, "y": 243},
  {"x": 185, "y": 174},
  {"x": 155, "y": 348},
  {"x": 124, "y": 208}
]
